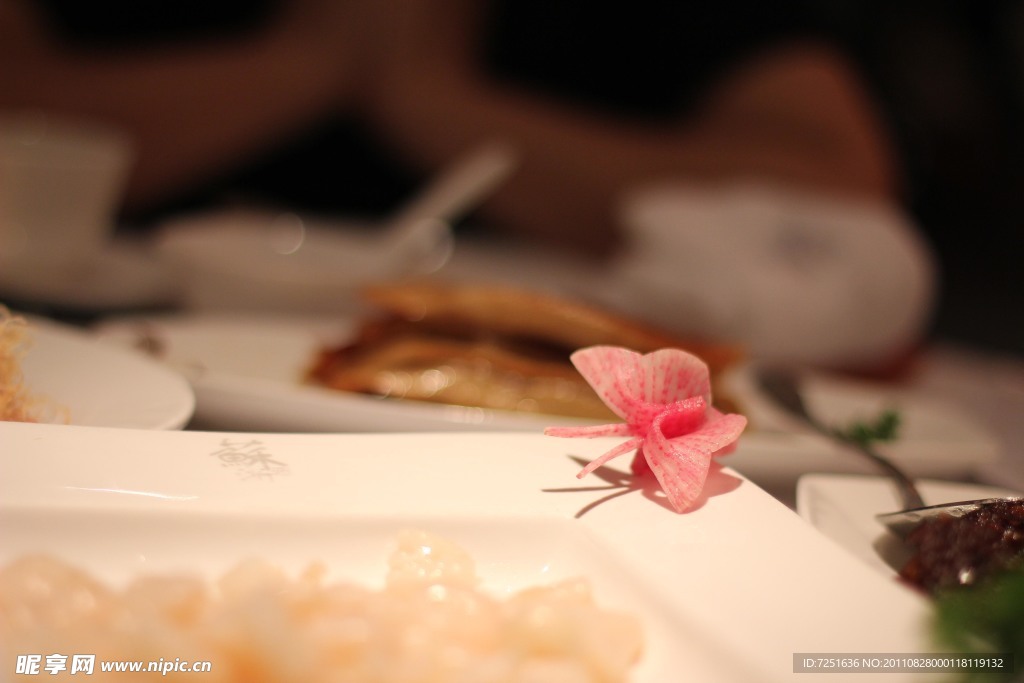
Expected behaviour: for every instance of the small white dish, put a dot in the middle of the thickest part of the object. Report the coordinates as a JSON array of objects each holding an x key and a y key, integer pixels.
[
  {"x": 96, "y": 384},
  {"x": 120, "y": 276},
  {"x": 843, "y": 508},
  {"x": 283, "y": 263},
  {"x": 793, "y": 276},
  {"x": 729, "y": 592}
]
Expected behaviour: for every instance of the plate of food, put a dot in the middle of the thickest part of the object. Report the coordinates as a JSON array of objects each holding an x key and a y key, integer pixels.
[
  {"x": 843, "y": 507},
  {"x": 479, "y": 554},
  {"x": 428, "y": 357},
  {"x": 51, "y": 372},
  {"x": 456, "y": 358}
]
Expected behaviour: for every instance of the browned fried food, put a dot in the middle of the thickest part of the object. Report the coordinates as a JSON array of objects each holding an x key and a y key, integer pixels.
[
  {"x": 488, "y": 346},
  {"x": 533, "y": 316}
]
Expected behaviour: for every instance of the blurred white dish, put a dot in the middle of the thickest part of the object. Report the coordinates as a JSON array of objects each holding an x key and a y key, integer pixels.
[
  {"x": 120, "y": 276},
  {"x": 729, "y": 592},
  {"x": 843, "y": 507},
  {"x": 247, "y": 374},
  {"x": 247, "y": 371},
  {"x": 250, "y": 261},
  {"x": 101, "y": 385},
  {"x": 793, "y": 276}
]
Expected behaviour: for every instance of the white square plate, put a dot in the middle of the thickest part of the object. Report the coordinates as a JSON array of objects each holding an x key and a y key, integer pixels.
[{"x": 728, "y": 592}]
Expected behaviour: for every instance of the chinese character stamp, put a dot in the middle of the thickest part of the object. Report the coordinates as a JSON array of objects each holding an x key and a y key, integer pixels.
[{"x": 250, "y": 459}]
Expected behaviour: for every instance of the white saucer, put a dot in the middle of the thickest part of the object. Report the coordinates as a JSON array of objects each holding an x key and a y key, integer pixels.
[
  {"x": 282, "y": 263},
  {"x": 124, "y": 275},
  {"x": 63, "y": 366}
]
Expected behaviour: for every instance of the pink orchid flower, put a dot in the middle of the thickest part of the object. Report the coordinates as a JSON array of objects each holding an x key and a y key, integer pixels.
[{"x": 664, "y": 398}]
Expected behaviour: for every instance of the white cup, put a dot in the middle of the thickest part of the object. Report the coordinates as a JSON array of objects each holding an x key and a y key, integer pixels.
[{"x": 61, "y": 184}]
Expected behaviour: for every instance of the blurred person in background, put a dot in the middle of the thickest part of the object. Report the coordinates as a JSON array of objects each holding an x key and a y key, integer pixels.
[
  {"x": 203, "y": 88},
  {"x": 346, "y": 106},
  {"x": 211, "y": 88}
]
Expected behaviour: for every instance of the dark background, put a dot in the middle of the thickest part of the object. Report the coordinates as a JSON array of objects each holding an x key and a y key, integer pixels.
[{"x": 947, "y": 75}]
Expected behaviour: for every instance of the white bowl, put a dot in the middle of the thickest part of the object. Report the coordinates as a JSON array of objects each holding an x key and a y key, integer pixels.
[
  {"x": 270, "y": 262},
  {"x": 793, "y": 276}
]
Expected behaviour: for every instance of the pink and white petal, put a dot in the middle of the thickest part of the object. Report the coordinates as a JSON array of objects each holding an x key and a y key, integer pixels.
[
  {"x": 720, "y": 435},
  {"x": 681, "y": 463},
  {"x": 641, "y": 416},
  {"x": 624, "y": 447},
  {"x": 589, "y": 431},
  {"x": 682, "y": 417},
  {"x": 671, "y": 375},
  {"x": 613, "y": 372},
  {"x": 713, "y": 415},
  {"x": 680, "y": 467}
]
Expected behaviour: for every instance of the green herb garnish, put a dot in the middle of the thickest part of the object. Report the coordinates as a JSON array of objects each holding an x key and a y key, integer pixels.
[
  {"x": 885, "y": 427},
  {"x": 987, "y": 618}
]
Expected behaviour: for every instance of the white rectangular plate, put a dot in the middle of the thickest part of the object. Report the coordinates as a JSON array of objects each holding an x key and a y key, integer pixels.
[{"x": 728, "y": 592}]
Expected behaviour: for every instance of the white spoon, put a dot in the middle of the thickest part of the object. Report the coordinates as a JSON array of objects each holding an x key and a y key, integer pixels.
[
  {"x": 421, "y": 230},
  {"x": 783, "y": 387}
]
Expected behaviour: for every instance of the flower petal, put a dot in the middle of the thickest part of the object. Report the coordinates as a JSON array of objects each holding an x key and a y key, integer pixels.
[
  {"x": 681, "y": 417},
  {"x": 671, "y": 375},
  {"x": 681, "y": 463},
  {"x": 680, "y": 468},
  {"x": 613, "y": 372},
  {"x": 717, "y": 435},
  {"x": 635, "y": 386},
  {"x": 664, "y": 398},
  {"x": 731, "y": 425}
]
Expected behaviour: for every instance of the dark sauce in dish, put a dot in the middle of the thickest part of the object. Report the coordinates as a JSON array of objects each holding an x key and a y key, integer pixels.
[{"x": 954, "y": 551}]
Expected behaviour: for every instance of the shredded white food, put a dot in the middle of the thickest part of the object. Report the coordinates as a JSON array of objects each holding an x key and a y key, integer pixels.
[{"x": 430, "y": 622}]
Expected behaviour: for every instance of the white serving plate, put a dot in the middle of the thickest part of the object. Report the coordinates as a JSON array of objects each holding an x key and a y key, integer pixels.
[
  {"x": 728, "y": 592},
  {"x": 94, "y": 384},
  {"x": 246, "y": 371},
  {"x": 843, "y": 508}
]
